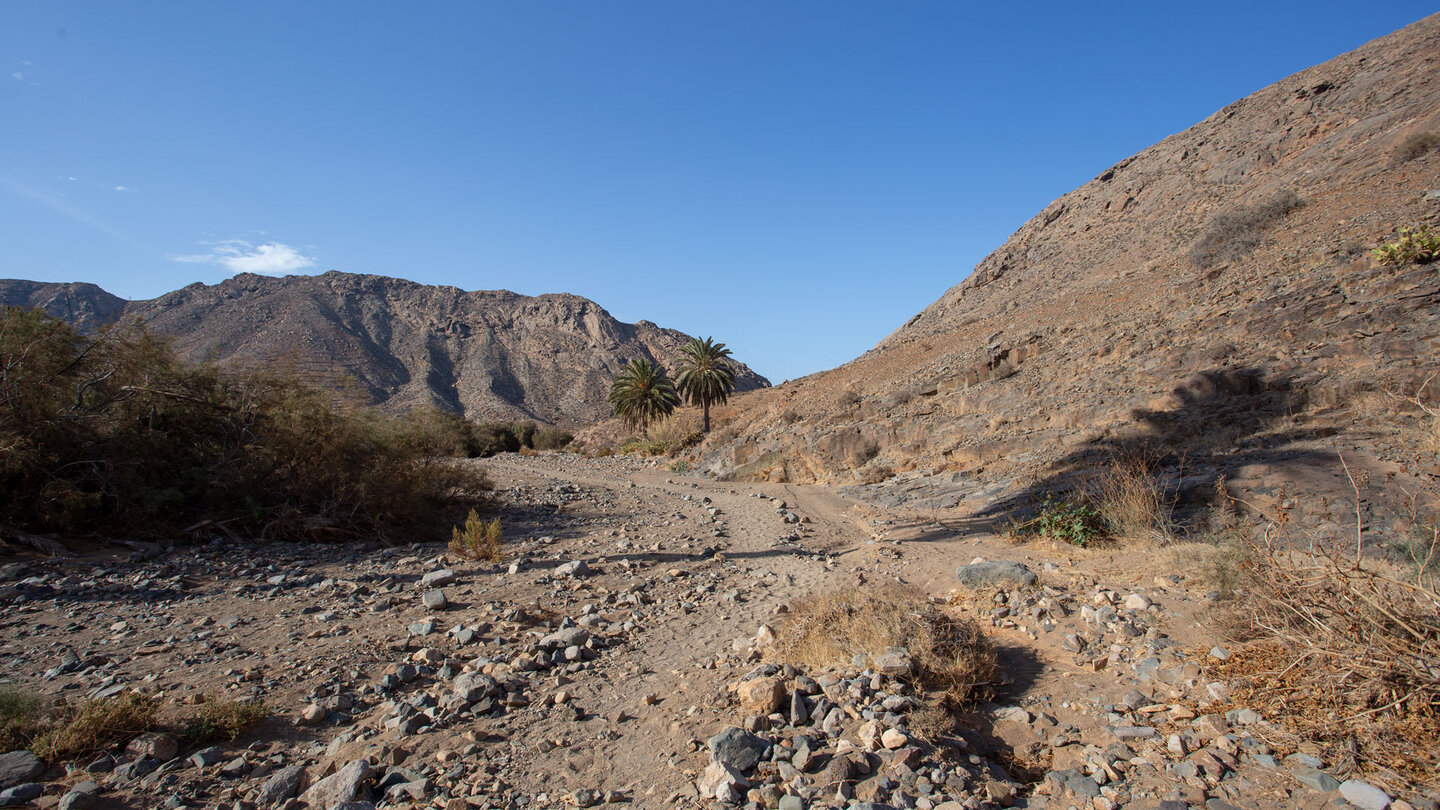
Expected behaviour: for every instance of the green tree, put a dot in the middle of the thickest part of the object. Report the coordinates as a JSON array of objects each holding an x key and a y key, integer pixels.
[
  {"x": 642, "y": 393},
  {"x": 706, "y": 375}
]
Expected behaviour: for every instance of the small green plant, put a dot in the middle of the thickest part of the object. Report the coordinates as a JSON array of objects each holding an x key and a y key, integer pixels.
[
  {"x": 679, "y": 465},
  {"x": 1075, "y": 523},
  {"x": 97, "y": 725},
  {"x": 645, "y": 447},
  {"x": 1418, "y": 246},
  {"x": 221, "y": 720},
  {"x": 478, "y": 540}
]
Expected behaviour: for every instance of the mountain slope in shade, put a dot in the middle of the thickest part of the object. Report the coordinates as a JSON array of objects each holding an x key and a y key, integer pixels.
[
  {"x": 487, "y": 354},
  {"x": 1212, "y": 297}
]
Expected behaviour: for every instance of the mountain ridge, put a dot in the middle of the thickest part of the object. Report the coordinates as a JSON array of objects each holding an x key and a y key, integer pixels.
[{"x": 489, "y": 354}]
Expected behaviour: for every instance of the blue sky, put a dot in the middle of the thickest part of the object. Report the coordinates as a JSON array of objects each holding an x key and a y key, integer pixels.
[{"x": 794, "y": 177}]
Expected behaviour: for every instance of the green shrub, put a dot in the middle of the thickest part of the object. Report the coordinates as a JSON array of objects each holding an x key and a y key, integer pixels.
[
  {"x": 221, "y": 720},
  {"x": 1073, "y": 523},
  {"x": 478, "y": 540},
  {"x": 552, "y": 438},
  {"x": 492, "y": 438},
  {"x": 113, "y": 433},
  {"x": 1418, "y": 246},
  {"x": 1076, "y": 523},
  {"x": 1232, "y": 234},
  {"x": 645, "y": 447}
]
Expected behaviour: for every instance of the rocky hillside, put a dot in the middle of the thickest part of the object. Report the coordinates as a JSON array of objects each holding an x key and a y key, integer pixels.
[
  {"x": 487, "y": 354},
  {"x": 84, "y": 306},
  {"x": 1212, "y": 297}
]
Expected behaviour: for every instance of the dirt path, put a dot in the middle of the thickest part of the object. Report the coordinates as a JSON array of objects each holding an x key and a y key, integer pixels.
[{"x": 676, "y": 575}]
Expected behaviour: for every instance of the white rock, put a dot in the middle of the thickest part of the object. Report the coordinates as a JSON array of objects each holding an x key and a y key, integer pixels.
[{"x": 1137, "y": 601}]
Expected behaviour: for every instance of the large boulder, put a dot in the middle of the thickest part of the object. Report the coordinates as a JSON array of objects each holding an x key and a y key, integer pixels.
[
  {"x": 345, "y": 785},
  {"x": 18, "y": 767}
]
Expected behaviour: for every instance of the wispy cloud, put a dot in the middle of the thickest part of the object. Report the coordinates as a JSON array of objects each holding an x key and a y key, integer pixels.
[
  {"x": 53, "y": 201},
  {"x": 240, "y": 256},
  {"x": 123, "y": 188}
]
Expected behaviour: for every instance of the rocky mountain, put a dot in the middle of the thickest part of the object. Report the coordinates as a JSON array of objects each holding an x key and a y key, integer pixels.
[
  {"x": 84, "y": 306},
  {"x": 1212, "y": 299},
  {"x": 488, "y": 354}
]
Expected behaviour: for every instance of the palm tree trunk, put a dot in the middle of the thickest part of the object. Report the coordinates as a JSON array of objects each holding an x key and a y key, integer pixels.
[{"x": 705, "y": 421}]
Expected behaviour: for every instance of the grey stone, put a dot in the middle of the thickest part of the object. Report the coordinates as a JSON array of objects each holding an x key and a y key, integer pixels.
[
  {"x": 993, "y": 573},
  {"x": 345, "y": 785},
  {"x": 737, "y": 748},
  {"x": 161, "y": 746},
  {"x": 437, "y": 579},
  {"x": 282, "y": 785},
  {"x": 1304, "y": 761},
  {"x": 80, "y": 797},
  {"x": 207, "y": 756},
  {"x": 473, "y": 687},
  {"x": 435, "y": 600},
  {"x": 575, "y": 568},
  {"x": 1073, "y": 785},
  {"x": 1135, "y": 732},
  {"x": 1316, "y": 779},
  {"x": 1364, "y": 795},
  {"x": 791, "y": 803},
  {"x": 566, "y": 637},
  {"x": 18, "y": 767},
  {"x": 23, "y": 793}
]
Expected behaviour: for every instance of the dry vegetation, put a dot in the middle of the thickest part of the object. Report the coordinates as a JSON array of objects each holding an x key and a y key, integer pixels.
[
  {"x": 57, "y": 732},
  {"x": 114, "y": 434},
  {"x": 1131, "y": 497},
  {"x": 95, "y": 726},
  {"x": 216, "y": 720},
  {"x": 1341, "y": 645},
  {"x": 836, "y": 629},
  {"x": 1414, "y": 145},
  {"x": 1232, "y": 234}
]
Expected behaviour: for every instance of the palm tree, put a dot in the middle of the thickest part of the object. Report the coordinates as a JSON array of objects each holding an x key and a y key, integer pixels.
[
  {"x": 642, "y": 393},
  {"x": 706, "y": 375}
]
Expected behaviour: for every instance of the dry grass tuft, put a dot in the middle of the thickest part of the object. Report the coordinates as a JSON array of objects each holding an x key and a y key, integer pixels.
[
  {"x": 97, "y": 725},
  {"x": 1234, "y": 233},
  {"x": 1415, "y": 145},
  {"x": 23, "y": 717},
  {"x": 221, "y": 720},
  {"x": 1131, "y": 498},
  {"x": 834, "y": 629}
]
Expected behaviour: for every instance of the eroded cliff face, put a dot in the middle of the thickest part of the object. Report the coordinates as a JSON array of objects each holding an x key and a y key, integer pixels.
[
  {"x": 1183, "y": 299},
  {"x": 401, "y": 345}
]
